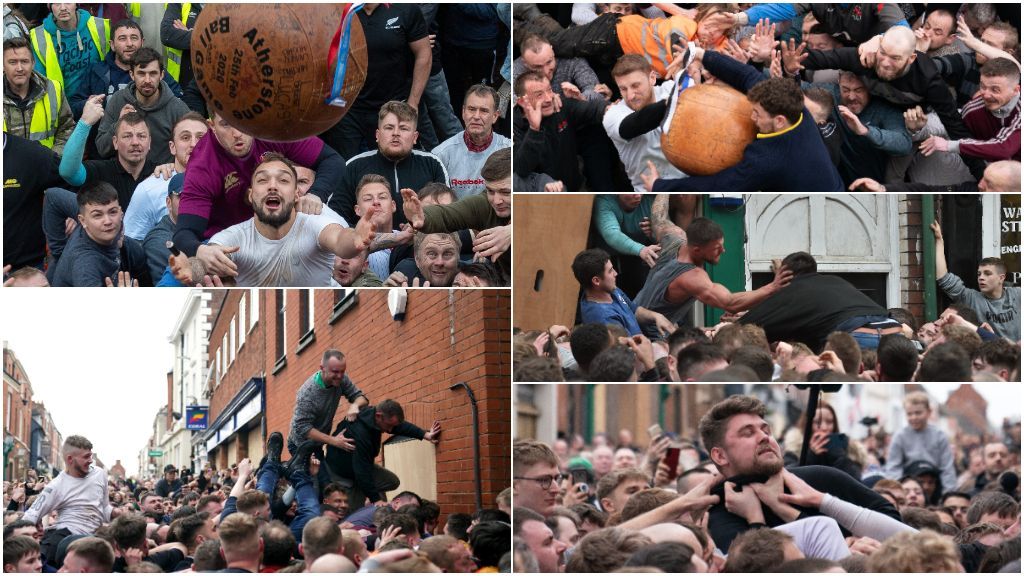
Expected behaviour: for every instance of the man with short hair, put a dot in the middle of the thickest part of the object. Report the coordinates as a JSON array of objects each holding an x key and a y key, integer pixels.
[
  {"x": 149, "y": 95},
  {"x": 997, "y": 461},
  {"x": 436, "y": 262},
  {"x": 873, "y": 130},
  {"x": 374, "y": 193},
  {"x": 998, "y": 357},
  {"x": 449, "y": 554},
  {"x": 88, "y": 555},
  {"x": 240, "y": 543},
  {"x": 148, "y": 205},
  {"x": 365, "y": 429},
  {"x": 992, "y": 117},
  {"x": 114, "y": 72},
  {"x": 128, "y": 533},
  {"x": 21, "y": 554},
  {"x": 634, "y": 123},
  {"x": 936, "y": 36},
  {"x": 316, "y": 407},
  {"x": 1002, "y": 176},
  {"x": 897, "y": 359},
  {"x": 98, "y": 254},
  {"x": 215, "y": 195},
  {"x": 489, "y": 212},
  {"x": 394, "y": 158},
  {"x": 740, "y": 443},
  {"x": 788, "y": 153},
  {"x": 999, "y": 508},
  {"x": 963, "y": 69},
  {"x": 678, "y": 277},
  {"x": 78, "y": 494},
  {"x": 336, "y": 494},
  {"x": 278, "y": 246},
  {"x": 536, "y": 481},
  {"x": 815, "y": 305},
  {"x": 465, "y": 153},
  {"x": 896, "y": 73},
  {"x": 996, "y": 304},
  {"x": 530, "y": 526},
  {"x": 615, "y": 488},
  {"x": 545, "y": 131},
  {"x": 354, "y": 272},
  {"x": 320, "y": 537},
  {"x": 130, "y": 139},
  {"x": 602, "y": 301},
  {"x": 35, "y": 107},
  {"x": 354, "y": 546}
]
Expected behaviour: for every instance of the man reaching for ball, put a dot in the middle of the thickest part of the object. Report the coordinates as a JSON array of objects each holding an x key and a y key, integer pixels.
[
  {"x": 279, "y": 246},
  {"x": 788, "y": 153}
]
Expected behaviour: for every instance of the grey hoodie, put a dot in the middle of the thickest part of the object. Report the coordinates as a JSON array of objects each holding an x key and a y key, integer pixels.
[
  {"x": 1002, "y": 314},
  {"x": 160, "y": 117}
]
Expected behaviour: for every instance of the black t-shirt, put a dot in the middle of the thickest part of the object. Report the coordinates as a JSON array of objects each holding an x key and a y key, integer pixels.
[
  {"x": 389, "y": 31},
  {"x": 29, "y": 169},
  {"x": 810, "y": 308},
  {"x": 166, "y": 560},
  {"x": 725, "y": 526},
  {"x": 111, "y": 172}
]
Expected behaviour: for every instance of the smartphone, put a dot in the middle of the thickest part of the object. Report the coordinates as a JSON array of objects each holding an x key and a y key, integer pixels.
[
  {"x": 838, "y": 443},
  {"x": 655, "y": 431},
  {"x": 579, "y": 475},
  {"x": 672, "y": 461},
  {"x": 676, "y": 40}
]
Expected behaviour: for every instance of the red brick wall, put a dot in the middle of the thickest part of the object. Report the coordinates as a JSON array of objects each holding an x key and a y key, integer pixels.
[
  {"x": 413, "y": 362},
  {"x": 249, "y": 360}
]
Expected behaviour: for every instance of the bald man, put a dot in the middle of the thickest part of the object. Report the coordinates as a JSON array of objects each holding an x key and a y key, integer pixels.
[
  {"x": 332, "y": 564},
  {"x": 891, "y": 69},
  {"x": 1001, "y": 176}
]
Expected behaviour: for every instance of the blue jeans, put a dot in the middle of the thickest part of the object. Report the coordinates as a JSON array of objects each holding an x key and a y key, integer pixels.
[
  {"x": 305, "y": 494},
  {"x": 439, "y": 105}
]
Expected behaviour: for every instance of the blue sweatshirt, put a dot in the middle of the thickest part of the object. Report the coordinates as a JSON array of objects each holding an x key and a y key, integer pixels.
[{"x": 76, "y": 51}]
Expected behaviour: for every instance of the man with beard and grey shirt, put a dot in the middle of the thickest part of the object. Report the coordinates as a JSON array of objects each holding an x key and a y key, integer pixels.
[{"x": 994, "y": 303}]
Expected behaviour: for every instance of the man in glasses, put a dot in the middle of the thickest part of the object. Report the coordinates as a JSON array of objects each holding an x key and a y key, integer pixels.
[{"x": 536, "y": 480}]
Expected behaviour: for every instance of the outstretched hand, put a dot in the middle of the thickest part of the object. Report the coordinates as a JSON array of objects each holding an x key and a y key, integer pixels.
[
  {"x": 434, "y": 434},
  {"x": 413, "y": 208},
  {"x": 365, "y": 230},
  {"x": 793, "y": 56},
  {"x": 649, "y": 176}
]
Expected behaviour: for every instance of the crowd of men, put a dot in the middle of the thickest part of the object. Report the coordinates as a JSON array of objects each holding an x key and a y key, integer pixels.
[
  {"x": 844, "y": 96},
  {"x": 319, "y": 511},
  {"x": 101, "y": 125},
  {"x": 801, "y": 326},
  {"x": 739, "y": 499}
]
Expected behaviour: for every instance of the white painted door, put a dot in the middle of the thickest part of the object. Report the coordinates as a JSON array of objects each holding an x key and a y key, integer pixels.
[{"x": 846, "y": 233}]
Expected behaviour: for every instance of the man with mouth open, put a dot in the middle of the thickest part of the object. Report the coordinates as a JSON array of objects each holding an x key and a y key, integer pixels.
[
  {"x": 394, "y": 159},
  {"x": 740, "y": 443},
  {"x": 279, "y": 246}
]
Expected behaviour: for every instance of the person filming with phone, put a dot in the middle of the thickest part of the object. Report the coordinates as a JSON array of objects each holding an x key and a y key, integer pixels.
[{"x": 828, "y": 447}]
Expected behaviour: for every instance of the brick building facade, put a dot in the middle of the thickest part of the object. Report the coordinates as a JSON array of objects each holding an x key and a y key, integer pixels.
[
  {"x": 31, "y": 438},
  {"x": 264, "y": 344}
]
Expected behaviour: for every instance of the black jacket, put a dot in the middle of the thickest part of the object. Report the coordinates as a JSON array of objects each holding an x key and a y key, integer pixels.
[
  {"x": 552, "y": 150},
  {"x": 414, "y": 171},
  {"x": 724, "y": 525},
  {"x": 358, "y": 465},
  {"x": 921, "y": 85}
]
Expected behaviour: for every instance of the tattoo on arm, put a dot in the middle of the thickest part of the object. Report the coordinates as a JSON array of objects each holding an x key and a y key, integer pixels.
[
  {"x": 659, "y": 216},
  {"x": 385, "y": 241}
]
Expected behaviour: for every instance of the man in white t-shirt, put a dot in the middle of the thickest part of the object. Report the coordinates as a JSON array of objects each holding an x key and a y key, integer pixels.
[
  {"x": 279, "y": 246},
  {"x": 78, "y": 495},
  {"x": 634, "y": 123}
]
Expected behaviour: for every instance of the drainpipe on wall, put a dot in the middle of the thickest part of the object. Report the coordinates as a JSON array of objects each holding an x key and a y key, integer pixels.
[
  {"x": 928, "y": 254},
  {"x": 479, "y": 495}
]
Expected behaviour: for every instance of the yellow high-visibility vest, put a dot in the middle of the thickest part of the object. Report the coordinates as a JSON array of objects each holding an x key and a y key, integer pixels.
[
  {"x": 45, "y": 116},
  {"x": 173, "y": 55},
  {"x": 135, "y": 9},
  {"x": 46, "y": 52}
]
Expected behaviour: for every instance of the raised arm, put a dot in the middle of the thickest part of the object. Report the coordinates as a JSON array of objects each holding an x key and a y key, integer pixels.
[
  {"x": 940, "y": 251},
  {"x": 661, "y": 224}
]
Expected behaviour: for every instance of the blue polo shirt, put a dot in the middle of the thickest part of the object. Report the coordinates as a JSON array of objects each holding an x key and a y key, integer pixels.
[{"x": 621, "y": 310}]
